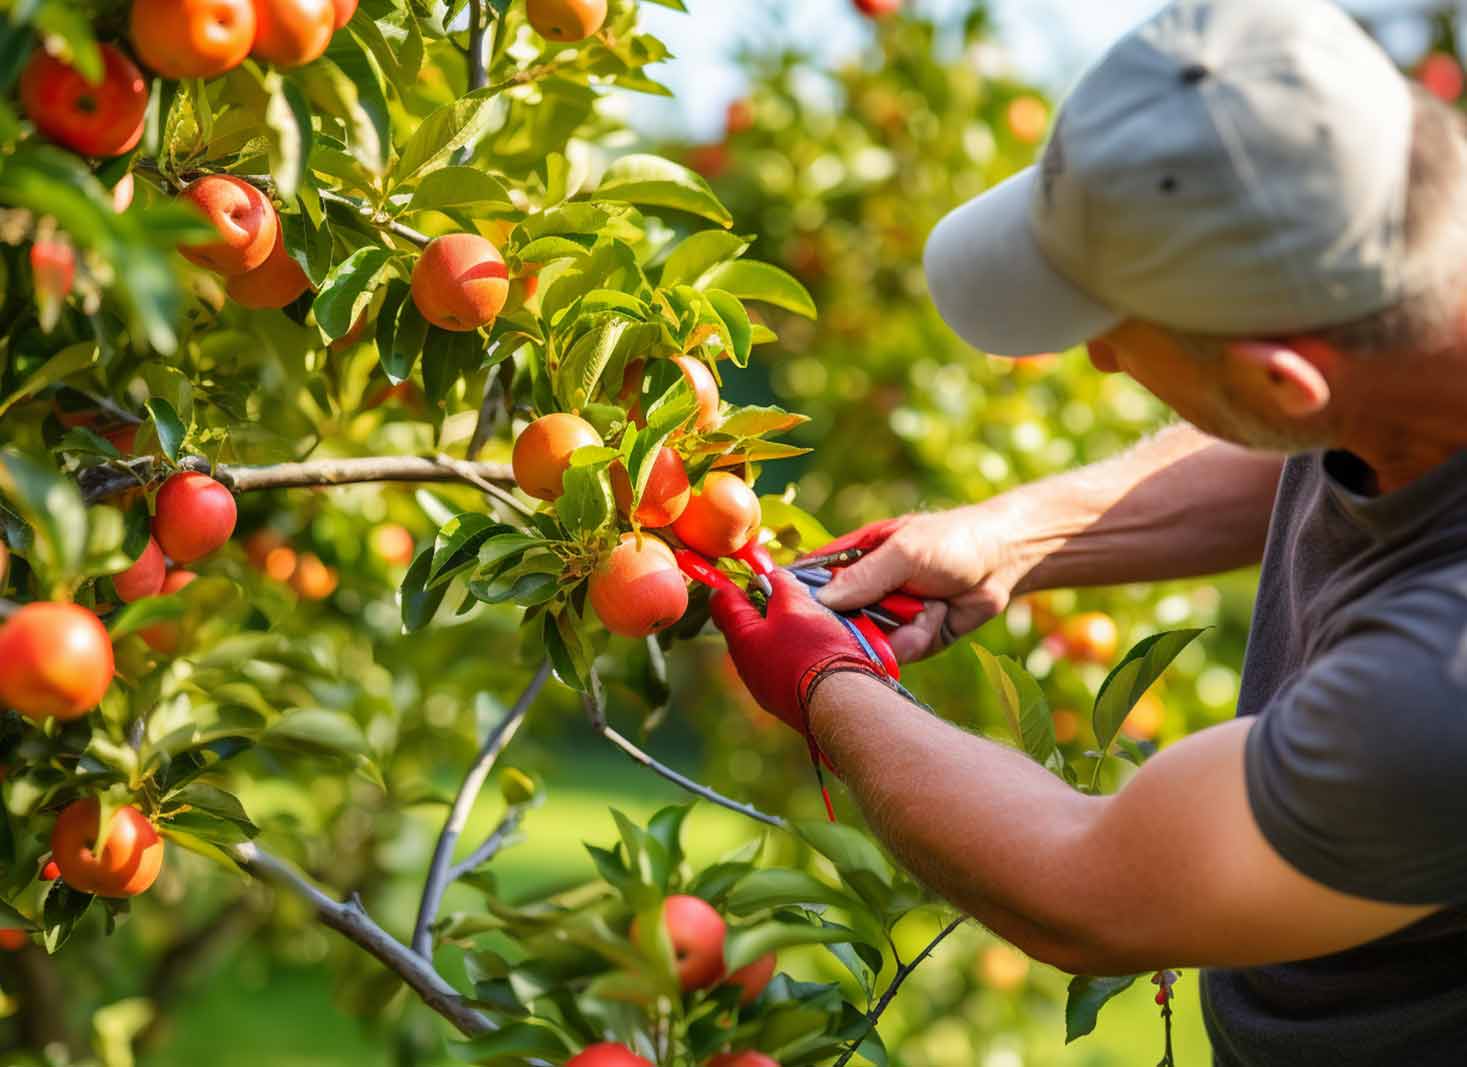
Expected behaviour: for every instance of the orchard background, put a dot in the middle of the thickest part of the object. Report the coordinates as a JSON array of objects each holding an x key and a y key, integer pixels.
[{"x": 417, "y": 806}]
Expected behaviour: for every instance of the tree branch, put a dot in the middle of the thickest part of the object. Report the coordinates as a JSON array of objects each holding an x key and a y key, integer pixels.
[
  {"x": 478, "y": 71},
  {"x": 108, "y": 479},
  {"x": 598, "y": 723},
  {"x": 491, "y": 846},
  {"x": 373, "y": 219},
  {"x": 904, "y": 971},
  {"x": 439, "y": 875},
  {"x": 351, "y": 920}
]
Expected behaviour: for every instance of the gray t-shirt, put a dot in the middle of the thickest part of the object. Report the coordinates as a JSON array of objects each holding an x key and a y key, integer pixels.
[{"x": 1357, "y": 768}]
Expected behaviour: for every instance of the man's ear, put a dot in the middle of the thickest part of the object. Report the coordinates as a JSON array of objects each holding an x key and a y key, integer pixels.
[{"x": 1289, "y": 375}]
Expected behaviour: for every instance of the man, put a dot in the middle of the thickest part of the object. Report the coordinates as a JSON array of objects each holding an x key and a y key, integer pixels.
[{"x": 1247, "y": 209}]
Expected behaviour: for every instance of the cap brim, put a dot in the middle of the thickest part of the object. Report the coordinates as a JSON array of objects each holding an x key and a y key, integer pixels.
[{"x": 993, "y": 285}]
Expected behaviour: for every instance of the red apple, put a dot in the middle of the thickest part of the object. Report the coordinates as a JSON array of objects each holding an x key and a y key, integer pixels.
[{"x": 696, "y": 931}]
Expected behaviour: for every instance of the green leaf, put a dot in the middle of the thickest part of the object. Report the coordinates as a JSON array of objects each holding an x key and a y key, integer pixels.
[
  {"x": 779, "y": 514},
  {"x": 1130, "y": 679},
  {"x": 1023, "y": 704},
  {"x": 457, "y": 544},
  {"x": 698, "y": 254},
  {"x": 656, "y": 182},
  {"x": 1086, "y": 996},
  {"x": 744, "y": 946},
  {"x": 401, "y": 333},
  {"x": 348, "y": 288},
  {"x": 169, "y": 426},
  {"x": 52, "y": 506},
  {"x": 548, "y": 249},
  {"x": 62, "y": 909},
  {"x": 666, "y": 825},
  {"x": 461, "y": 188},
  {"x": 319, "y": 729},
  {"x": 586, "y": 502},
  {"x": 197, "y": 845},
  {"x": 737, "y": 329},
  {"x": 583, "y": 365},
  {"x": 526, "y": 590},
  {"x": 759, "y": 421},
  {"x": 847, "y": 848},
  {"x": 779, "y": 888},
  {"x": 447, "y": 356},
  {"x": 419, "y": 603},
  {"x": 371, "y": 128},
  {"x": 750, "y": 280},
  {"x": 63, "y": 364},
  {"x": 567, "y": 651},
  {"x": 440, "y": 135},
  {"x": 143, "y": 613},
  {"x": 517, "y": 1042},
  {"x": 288, "y": 134}
]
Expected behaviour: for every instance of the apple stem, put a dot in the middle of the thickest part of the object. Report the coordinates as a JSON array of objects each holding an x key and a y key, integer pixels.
[{"x": 441, "y": 870}]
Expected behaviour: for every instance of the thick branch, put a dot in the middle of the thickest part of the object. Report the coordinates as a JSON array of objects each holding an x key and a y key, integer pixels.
[
  {"x": 903, "y": 972},
  {"x": 681, "y": 780},
  {"x": 107, "y": 480},
  {"x": 438, "y": 871},
  {"x": 351, "y": 920}
]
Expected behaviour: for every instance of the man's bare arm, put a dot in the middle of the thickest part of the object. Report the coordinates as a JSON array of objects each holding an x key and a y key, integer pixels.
[
  {"x": 1170, "y": 871},
  {"x": 1176, "y": 505}
]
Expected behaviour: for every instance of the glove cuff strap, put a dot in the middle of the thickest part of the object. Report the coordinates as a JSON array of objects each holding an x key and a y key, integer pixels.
[{"x": 840, "y": 663}]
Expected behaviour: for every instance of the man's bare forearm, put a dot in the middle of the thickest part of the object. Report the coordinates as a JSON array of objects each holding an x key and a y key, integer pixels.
[
  {"x": 1179, "y": 504},
  {"x": 980, "y": 824}
]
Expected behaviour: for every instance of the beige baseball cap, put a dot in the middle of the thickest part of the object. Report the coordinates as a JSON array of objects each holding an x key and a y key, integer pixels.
[{"x": 1230, "y": 167}]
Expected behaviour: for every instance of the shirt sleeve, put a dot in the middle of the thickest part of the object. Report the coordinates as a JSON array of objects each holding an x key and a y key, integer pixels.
[{"x": 1357, "y": 770}]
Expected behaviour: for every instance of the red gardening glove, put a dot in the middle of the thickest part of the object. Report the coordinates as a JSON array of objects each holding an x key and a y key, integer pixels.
[{"x": 782, "y": 656}]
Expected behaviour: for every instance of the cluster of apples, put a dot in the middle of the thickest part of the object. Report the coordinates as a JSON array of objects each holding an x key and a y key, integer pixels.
[
  {"x": 638, "y": 590},
  {"x": 697, "y": 934},
  {"x": 56, "y": 658}
]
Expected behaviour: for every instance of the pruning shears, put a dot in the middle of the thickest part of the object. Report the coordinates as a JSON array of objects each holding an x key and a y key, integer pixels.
[{"x": 866, "y": 625}]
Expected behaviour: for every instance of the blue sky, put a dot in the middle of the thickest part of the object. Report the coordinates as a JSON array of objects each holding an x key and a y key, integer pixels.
[{"x": 1048, "y": 40}]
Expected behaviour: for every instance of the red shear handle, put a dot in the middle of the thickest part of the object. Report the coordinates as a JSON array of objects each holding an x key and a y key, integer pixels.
[
  {"x": 756, "y": 556},
  {"x": 873, "y": 635},
  {"x": 700, "y": 570},
  {"x": 901, "y": 606}
]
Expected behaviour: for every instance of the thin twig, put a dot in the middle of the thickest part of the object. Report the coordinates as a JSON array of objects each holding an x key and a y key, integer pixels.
[
  {"x": 108, "y": 479},
  {"x": 478, "y": 71},
  {"x": 681, "y": 780},
  {"x": 491, "y": 846},
  {"x": 439, "y": 870},
  {"x": 904, "y": 971},
  {"x": 374, "y": 219},
  {"x": 351, "y": 920}
]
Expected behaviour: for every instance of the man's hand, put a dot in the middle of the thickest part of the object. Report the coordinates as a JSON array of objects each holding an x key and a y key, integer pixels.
[
  {"x": 781, "y": 655},
  {"x": 960, "y": 559}
]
